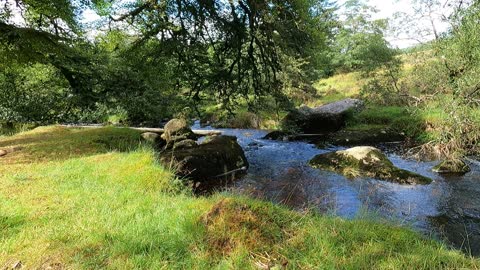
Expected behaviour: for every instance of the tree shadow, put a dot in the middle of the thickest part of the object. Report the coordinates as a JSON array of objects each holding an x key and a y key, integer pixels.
[{"x": 56, "y": 143}]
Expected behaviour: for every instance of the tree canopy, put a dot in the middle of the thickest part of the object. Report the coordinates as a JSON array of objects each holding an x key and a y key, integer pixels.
[{"x": 220, "y": 49}]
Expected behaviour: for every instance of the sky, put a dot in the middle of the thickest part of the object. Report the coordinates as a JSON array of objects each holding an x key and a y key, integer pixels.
[{"x": 386, "y": 9}]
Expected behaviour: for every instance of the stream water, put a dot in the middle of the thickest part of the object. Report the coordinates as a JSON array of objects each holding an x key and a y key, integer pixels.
[{"x": 448, "y": 208}]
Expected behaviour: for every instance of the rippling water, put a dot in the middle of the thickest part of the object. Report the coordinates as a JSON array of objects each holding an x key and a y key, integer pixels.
[{"x": 448, "y": 208}]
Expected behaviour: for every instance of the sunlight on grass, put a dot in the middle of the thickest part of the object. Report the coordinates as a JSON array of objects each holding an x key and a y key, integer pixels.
[{"x": 337, "y": 87}]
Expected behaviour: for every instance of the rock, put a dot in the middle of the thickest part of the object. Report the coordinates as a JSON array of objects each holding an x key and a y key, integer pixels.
[
  {"x": 184, "y": 144},
  {"x": 323, "y": 119},
  {"x": 209, "y": 161},
  {"x": 277, "y": 135},
  {"x": 368, "y": 162},
  {"x": 4, "y": 152},
  {"x": 454, "y": 166},
  {"x": 177, "y": 130},
  {"x": 150, "y": 136},
  {"x": 349, "y": 137},
  {"x": 155, "y": 139}
]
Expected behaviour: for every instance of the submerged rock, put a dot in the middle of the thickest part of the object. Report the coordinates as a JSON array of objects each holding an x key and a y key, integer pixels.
[
  {"x": 277, "y": 135},
  {"x": 214, "y": 159},
  {"x": 366, "y": 161},
  {"x": 326, "y": 118},
  {"x": 454, "y": 166}
]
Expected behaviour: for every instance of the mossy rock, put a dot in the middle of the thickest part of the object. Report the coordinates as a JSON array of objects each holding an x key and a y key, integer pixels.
[
  {"x": 155, "y": 139},
  {"x": 209, "y": 162},
  {"x": 366, "y": 161},
  {"x": 323, "y": 119},
  {"x": 453, "y": 166},
  {"x": 184, "y": 144},
  {"x": 177, "y": 130}
]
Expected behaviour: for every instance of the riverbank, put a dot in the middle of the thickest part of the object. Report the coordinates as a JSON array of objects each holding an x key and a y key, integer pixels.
[{"x": 97, "y": 198}]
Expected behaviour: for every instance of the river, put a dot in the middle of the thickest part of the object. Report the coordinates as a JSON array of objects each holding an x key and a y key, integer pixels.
[{"x": 447, "y": 209}]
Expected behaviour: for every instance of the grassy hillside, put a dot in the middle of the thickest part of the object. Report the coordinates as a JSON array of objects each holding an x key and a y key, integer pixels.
[
  {"x": 337, "y": 87},
  {"x": 98, "y": 199}
]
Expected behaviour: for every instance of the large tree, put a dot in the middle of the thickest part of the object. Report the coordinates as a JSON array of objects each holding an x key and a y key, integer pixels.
[
  {"x": 229, "y": 48},
  {"x": 213, "y": 48}
]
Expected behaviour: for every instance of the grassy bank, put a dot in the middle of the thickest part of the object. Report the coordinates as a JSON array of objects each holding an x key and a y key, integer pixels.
[{"x": 96, "y": 198}]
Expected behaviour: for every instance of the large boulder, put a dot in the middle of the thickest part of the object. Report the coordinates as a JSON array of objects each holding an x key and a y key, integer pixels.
[
  {"x": 323, "y": 119},
  {"x": 213, "y": 160},
  {"x": 177, "y": 130},
  {"x": 366, "y": 161}
]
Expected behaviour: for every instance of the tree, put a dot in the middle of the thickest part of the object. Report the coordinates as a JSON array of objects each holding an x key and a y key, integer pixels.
[
  {"x": 360, "y": 42},
  {"x": 427, "y": 20},
  {"x": 229, "y": 50}
]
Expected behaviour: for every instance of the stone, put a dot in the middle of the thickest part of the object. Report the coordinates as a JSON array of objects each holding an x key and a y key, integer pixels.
[
  {"x": 155, "y": 139},
  {"x": 323, "y": 119},
  {"x": 366, "y": 161},
  {"x": 150, "y": 136},
  {"x": 177, "y": 130},
  {"x": 185, "y": 144},
  {"x": 216, "y": 157},
  {"x": 277, "y": 135},
  {"x": 453, "y": 166}
]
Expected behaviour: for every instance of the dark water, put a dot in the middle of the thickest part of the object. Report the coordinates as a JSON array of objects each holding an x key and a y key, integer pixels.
[{"x": 448, "y": 208}]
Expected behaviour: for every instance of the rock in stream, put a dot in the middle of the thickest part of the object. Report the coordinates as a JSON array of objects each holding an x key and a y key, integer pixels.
[{"x": 366, "y": 161}]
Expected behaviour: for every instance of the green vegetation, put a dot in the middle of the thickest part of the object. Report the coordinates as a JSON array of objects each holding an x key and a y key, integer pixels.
[
  {"x": 98, "y": 198},
  {"x": 69, "y": 200}
]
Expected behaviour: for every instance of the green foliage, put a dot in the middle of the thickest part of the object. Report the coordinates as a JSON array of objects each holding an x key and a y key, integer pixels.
[
  {"x": 36, "y": 94},
  {"x": 360, "y": 44},
  {"x": 158, "y": 58},
  {"x": 450, "y": 82},
  {"x": 400, "y": 119}
]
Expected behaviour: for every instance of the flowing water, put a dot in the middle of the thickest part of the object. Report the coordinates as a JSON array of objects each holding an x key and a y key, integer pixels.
[{"x": 448, "y": 208}]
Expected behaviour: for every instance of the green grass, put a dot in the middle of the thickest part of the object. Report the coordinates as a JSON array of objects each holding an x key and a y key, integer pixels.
[
  {"x": 96, "y": 199},
  {"x": 400, "y": 119},
  {"x": 337, "y": 87},
  {"x": 9, "y": 130}
]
